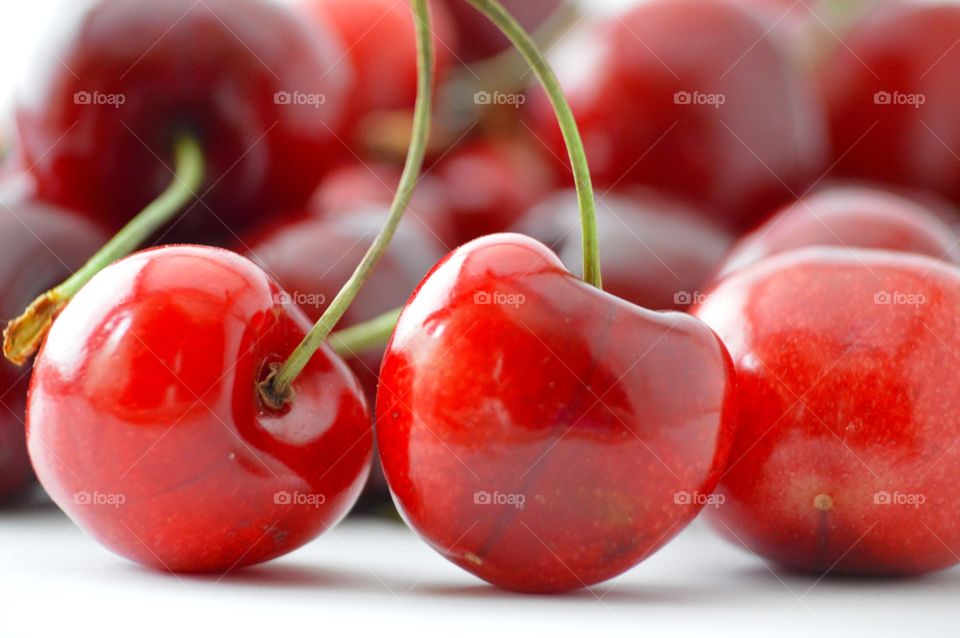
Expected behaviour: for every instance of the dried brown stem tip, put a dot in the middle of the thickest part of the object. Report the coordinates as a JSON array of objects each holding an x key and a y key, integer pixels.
[{"x": 22, "y": 336}]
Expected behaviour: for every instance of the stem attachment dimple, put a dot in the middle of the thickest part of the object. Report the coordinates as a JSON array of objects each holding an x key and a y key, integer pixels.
[
  {"x": 495, "y": 12},
  {"x": 276, "y": 389},
  {"x": 23, "y": 335}
]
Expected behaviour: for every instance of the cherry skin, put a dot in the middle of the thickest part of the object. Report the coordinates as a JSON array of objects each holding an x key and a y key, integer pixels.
[
  {"x": 847, "y": 371},
  {"x": 146, "y": 427},
  {"x": 646, "y": 89},
  {"x": 313, "y": 258},
  {"x": 656, "y": 252},
  {"x": 380, "y": 43},
  {"x": 123, "y": 79},
  {"x": 490, "y": 183},
  {"x": 540, "y": 433},
  {"x": 480, "y": 38},
  {"x": 40, "y": 246},
  {"x": 852, "y": 217},
  {"x": 362, "y": 186},
  {"x": 890, "y": 92}
]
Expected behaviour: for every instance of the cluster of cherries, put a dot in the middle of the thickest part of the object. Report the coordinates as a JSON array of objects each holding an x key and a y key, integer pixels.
[{"x": 775, "y": 334}]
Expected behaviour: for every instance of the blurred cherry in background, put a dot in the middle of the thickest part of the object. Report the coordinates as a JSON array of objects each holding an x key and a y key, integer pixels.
[
  {"x": 657, "y": 252},
  {"x": 696, "y": 98}
]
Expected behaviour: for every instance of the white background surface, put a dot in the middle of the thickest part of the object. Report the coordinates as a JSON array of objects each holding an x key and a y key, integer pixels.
[{"x": 369, "y": 577}]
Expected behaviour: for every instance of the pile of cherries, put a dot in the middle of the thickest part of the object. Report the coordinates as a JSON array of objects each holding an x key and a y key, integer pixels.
[{"x": 775, "y": 337}]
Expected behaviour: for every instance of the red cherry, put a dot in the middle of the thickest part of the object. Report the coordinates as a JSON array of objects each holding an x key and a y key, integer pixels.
[
  {"x": 364, "y": 186},
  {"x": 490, "y": 184},
  {"x": 123, "y": 79},
  {"x": 480, "y": 39},
  {"x": 380, "y": 45},
  {"x": 695, "y": 98},
  {"x": 540, "y": 433},
  {"x": 852, "y": 217},
  {"x": 656, "y": 252},
  {"x": 891, "y": 92},
  {"x": 145, "y": 424},
  {"x": 313, "y": 258},
  {"x": 39, "y": 247},
  {"x": 846, "y": 372}
]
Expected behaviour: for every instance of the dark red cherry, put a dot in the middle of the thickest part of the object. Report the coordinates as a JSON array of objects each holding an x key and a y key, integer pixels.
[
  {"x": 847, "y": 377},
  {"x": 850, "y": 217},
  {"x": 490, "y": 183},
  {"x": 540, "y": 433},
  {"x": 40, "y": 246},
  {"x": 480, "y": 38},
  {"x": 891, "y": 92},
  {"x": 312, "y": 258},
  {"x": 656, "y": 252},
  {"x": 120, "y": 80},
  {"x": 365, "y": 186},
  {"x": 146, "y": 427},
  {"x": 380, "y": 44},
  {"x": 695, "y": 98}
]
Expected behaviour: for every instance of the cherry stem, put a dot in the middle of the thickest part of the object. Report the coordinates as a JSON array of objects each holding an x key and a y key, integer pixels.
[
  {"x": 277, "y": 389},
  {"x": 495, "y": 12},
  {"x": 364, "y": 336},
  {"x": 23, "y": 335}
]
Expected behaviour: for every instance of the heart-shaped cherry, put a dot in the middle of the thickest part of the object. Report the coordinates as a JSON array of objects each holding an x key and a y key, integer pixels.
[
  {"x": 657, "y": 252},
  {"x": 378, "y": 37},
  {"x": 695, "y": 98},
  {"x": 847, "y": 371},
  {"x": 39, "y": 246},
  {"x": 852, "y": 217},
  {"x": 123, "y": 79},
  {"x": 145, "y": 424},
  {"x": 891, "y": 92},
  {"x": 540, "y": 433}
]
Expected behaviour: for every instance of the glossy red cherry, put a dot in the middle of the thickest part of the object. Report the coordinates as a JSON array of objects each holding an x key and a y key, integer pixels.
[
  {"x": 851, "y": 217},
  {"x": 847, "y": 379},
  {"x": 490, "y": 183},
  {"x": 39, "y": 246},
  {"x": 363, "y": 186},
  {"x": 313, "y": 258},
  {"x": 480, "y": 38},
  {"x": 123, "y": 79},
  {"x": 540, "y": 433},
  {"x": 380, "y": 45},
  {"x": 891, "y": 92},
  {"x": 145, "y": 424},
  {"x": 656, "y": 252},
  {"x": 695, "y": 98}
]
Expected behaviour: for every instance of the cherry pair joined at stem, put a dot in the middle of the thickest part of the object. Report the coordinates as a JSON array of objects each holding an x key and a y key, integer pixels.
[{"x": 138, "y": 356}]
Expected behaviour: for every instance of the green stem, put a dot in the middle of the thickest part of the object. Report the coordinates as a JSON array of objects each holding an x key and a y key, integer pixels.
[
  {"x": 24, "y": 334},
  {"x": 364, "y": 336},
  {"x": 276, "y": 390},
  {"x": 495, "y": 12}
]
